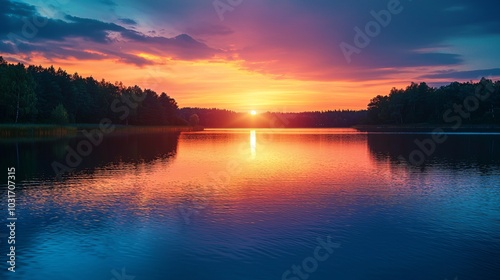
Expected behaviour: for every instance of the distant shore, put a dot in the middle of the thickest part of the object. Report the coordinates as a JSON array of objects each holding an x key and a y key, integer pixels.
[
  {"x": 73, "y": 130},
  {"x": 427, "y": 128},
  {"x": 76, "y": 130}
]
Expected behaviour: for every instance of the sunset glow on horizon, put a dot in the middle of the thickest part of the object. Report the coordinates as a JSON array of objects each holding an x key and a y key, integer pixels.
[{"x": 283, "y": 56}]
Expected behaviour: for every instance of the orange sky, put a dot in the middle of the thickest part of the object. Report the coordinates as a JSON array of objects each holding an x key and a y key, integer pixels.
[{"x": 224, "y": 84}]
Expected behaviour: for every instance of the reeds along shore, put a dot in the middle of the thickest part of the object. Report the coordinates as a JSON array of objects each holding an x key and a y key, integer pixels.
[{"x": 13, "y": 131}]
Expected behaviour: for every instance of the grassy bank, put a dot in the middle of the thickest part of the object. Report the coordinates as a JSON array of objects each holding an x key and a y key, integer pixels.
[
  {"x": 36, "y": 130},
  {"x": 427, "y": 128},
  {"x": 54, "y": 131},
  {"x": 126, "y": 129}
]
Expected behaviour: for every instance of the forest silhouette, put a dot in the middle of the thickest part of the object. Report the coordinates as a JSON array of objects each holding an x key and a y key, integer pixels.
[{"x": 38, "y": 95}]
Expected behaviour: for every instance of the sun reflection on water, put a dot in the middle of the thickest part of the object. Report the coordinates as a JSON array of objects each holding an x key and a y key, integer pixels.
[{"x": 253, "y": 143}]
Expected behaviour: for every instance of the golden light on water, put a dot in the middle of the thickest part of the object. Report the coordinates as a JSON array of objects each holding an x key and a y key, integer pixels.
[{"x": 253, "y": 143}]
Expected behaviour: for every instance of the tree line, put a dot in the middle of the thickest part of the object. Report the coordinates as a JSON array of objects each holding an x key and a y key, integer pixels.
[
  {"x": 220, "y": 118},
  {"x": 474, "y": 103},
  {"x": 471, "y": 103},
  {"x": 36, "y": 94}
]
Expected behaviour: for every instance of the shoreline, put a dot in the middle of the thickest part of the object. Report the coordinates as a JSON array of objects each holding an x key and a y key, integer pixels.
[
  {"x": 427, "y": 128},
  {"x": 11, "y": 131},
  {"x": 46, "y": 131}
]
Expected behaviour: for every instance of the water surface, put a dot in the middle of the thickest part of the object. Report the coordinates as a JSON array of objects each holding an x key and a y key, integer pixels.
[{"x": 250, "y": 204}]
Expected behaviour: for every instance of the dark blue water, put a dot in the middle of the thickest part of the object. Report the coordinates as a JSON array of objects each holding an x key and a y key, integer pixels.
[{"x": 244, "y": 204}]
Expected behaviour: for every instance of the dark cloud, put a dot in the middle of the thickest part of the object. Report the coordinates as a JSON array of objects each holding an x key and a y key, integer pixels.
[
  {"x": 9, "y": 8},
  {"x": 374, "y": 58},
  {"x": 295, "y": 38},
  {"x": 463, "y": 75},
  {"x": 432, "y": 59},
  {"x": 60, "y": 38},
  {"x": 128, "y": 21},
  {"x": 289, "y": 31}
]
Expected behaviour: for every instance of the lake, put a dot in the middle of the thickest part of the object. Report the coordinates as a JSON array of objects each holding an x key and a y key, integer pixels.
[{"x": 246, "y": 204}]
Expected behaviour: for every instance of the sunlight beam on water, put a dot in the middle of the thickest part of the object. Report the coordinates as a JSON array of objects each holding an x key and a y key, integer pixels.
[{"x": 253, "y": 143}]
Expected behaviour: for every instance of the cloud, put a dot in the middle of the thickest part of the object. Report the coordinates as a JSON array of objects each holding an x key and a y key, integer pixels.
[
  {"x": 301, "y": 39},
  {"x": 295, "y": 39},
  {"x": 16, "y": 9},
  {"x": 67, "y": 36},
  {"x": 128, "y": 21},
  {"x": 463, "y": 75}
]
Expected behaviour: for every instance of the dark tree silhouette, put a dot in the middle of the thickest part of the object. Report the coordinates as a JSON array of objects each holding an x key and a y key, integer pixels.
[
  {"x": 17, "y": 96},
  {"x": 46, "y": 95},
  {"x": 419, "y": 103}
]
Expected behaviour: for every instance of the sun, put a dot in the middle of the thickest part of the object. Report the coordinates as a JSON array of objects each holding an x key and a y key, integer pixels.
[{"x": 253, "y": 112}]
